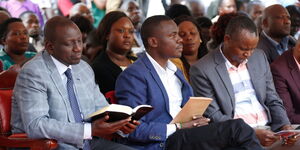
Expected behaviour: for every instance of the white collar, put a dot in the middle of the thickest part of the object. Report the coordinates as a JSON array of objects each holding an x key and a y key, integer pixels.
[
  {"x": 60, "y": 66},
  {"x": 159, "y": 69}
]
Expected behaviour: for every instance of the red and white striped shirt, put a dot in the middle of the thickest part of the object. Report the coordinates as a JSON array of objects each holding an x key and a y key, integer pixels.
[{"x": 247, "y": 106}]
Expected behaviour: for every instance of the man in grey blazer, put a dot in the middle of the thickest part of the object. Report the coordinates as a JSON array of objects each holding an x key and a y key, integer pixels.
[
  {"x": 48, "y": 103},
  {"x": 240, "y": 86}
]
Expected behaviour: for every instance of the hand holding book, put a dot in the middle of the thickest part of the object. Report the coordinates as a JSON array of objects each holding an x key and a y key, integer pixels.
[
  {"x": 118, "y": 112},
  {"x": 197, "y": 121}
]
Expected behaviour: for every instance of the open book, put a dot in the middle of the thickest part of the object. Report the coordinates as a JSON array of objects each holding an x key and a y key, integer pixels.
[
  {"x": 118, "y": 112},
  {"x": 194, "y": 106}
]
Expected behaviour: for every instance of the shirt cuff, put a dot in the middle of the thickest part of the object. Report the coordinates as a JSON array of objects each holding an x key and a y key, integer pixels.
[
  {"x": 171, "y": 128},
  {"x": 87, "y": 131}
]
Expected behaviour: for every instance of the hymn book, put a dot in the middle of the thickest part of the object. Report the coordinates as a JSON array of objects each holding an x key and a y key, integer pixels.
[
  {"x": 118, "y": 112},
  {"x": 194, "y": 106}
]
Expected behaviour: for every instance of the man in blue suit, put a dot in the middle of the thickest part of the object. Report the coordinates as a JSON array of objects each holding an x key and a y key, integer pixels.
[
  {"x": 55, "y": 91},
  {"x": 154, "y": 80}
]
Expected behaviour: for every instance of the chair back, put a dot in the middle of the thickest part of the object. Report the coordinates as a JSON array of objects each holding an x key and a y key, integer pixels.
[{"x": 5, "y": 111}]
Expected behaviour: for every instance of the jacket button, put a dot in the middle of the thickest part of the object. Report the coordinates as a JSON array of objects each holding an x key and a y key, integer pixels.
[{"x": 161, "y": 144}]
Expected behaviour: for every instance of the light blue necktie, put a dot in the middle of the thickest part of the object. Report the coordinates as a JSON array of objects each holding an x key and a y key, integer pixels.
[{"x": 74, "y": 103}]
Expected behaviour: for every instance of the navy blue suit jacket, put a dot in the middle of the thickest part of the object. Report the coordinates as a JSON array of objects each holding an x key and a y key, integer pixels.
[{"x": 140, "y": 84}]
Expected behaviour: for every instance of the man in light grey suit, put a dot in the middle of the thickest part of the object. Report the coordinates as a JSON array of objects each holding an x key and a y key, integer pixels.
[
  {"x": 56, "y": 90},
  {"x": 240, "y": 86}
]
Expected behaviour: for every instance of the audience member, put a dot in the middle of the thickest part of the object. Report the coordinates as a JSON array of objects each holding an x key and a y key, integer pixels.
[
  {"x": 156, "y": 81},
  {"x": 98, "y": 11},
  {"x": 85, "y": 27},
  {"x": 275, "y": 39},
  {"x": 225, "y": 7},
  {"x": 217, "y": 31},
  {"x": 286, "y": 75},
  {"x": 4, "y": 15},
  {"x": 294, "y": 12},
  {"x": 31, "y": 22},
  {"x": 92, "y": 47},
  {"x": 177, "y": 10},
  {"x": 258, "y": 23},
  {"x": 241, "y": 5},
  {"x": 204, "y": 24},
  {"x": 47, "y": 7},
  {"x": 196, "y": 7},
  {"x": 132, "y": 10},
  {"x": 56, "y": 90},
  {"x": 255, "y": 9},
  {"x": 15, "y": 39},
  {"x": 189, "y": 31},
  {"x": 116, "y": 36},
  {"x": 237, "y": 77},
  {"x": 81, "y": 9},
  {"x": 17, "y": 7}
]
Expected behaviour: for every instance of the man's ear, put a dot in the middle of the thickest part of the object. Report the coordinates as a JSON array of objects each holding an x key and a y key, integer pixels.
[
  {"x": 49, "y": 47},
  {"x": 152, "y": 42},
  {"x": 2, "y": 41},
  {"x": 265, "y": 23},
  {"x": 226, "y": 38}
]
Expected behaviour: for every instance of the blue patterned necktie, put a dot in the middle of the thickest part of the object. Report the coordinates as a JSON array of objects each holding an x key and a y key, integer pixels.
[{"x": 74, "y": 103}]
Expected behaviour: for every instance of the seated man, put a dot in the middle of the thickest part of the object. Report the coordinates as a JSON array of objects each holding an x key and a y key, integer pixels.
[
  {"x": 240, "y": 86},
  {"x": 286, "y": 75},
  {"x": 275, "y": 37},
  {"x": 56, "y": 90},
  {"x": 154, "y": 80}
]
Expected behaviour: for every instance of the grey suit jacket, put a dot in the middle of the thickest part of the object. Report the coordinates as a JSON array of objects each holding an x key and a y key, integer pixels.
[
  {"x": 40, "y": 104},
  {"x": 209, "y": 78}
]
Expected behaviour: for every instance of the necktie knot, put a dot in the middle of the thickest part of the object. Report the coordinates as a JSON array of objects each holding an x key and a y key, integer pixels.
[{"x": 68, "y": 73}]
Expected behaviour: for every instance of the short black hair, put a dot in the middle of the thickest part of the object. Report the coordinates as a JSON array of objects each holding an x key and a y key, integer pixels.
[
  {"x": 4, "y": 26},
  {"x": 204, "y": 22},
  {"x": 292, "y": 9},
  {"x": 105, "y": 26},
  {"x": 3, "y": 9},
  {"x": 239, "y": 23},
  {"x": 177, "y": 10},
  {"x": 52, "y": 24},
  {"x": 183, "y": 18},
  {"x": 150, "y": 25},
  {"x": 83, "y": 23}
]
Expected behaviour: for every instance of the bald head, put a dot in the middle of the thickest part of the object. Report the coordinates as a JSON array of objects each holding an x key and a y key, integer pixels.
[
  {"x": 276, "y": 22},
  {"x": 82, "y": 10},
  {"x": 3, "y": 16},
  {"x": 52, "y": 24}
]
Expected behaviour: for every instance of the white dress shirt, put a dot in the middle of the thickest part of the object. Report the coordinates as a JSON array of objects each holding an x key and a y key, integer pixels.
[
  {"x": 61, "y": 70},
  {"x": 172, "y": 85}
]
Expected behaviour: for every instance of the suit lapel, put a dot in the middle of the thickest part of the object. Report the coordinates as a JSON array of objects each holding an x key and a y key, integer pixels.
[
  {"x": 157, "y": 80},
  {"x": 253, "y": 75},
  {"x": 293, "y": 68},
  {"x": 186, "y": 89},
  {"x": 56, "y": 79},
  {"x": 223, "y": 74}
]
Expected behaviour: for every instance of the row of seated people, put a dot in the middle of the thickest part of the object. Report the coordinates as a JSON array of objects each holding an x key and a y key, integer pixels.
[
  {"x": 41, "y": 101},
  {"x": 128, "y": 21}
]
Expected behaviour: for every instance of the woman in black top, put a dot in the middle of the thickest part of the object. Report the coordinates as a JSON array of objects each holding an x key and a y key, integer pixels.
[{"x": 115, "y": 32}]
